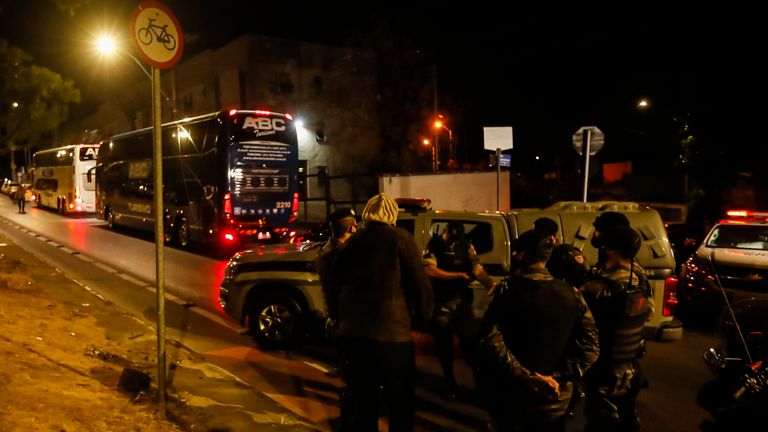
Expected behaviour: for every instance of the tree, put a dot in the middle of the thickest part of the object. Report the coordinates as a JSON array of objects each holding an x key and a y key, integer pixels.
[{"x": 35, "y": 100}]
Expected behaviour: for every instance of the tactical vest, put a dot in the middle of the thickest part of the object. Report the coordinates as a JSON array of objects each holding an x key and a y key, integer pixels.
[{"x": 622, "y": 319}]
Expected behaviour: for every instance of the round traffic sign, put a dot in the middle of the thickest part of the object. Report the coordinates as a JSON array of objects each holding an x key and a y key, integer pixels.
[
  {"x": 156, "y": 34},
  {"x": 596, "y": 139}
]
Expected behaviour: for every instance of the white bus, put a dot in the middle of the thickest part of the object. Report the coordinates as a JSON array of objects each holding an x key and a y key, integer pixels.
[{"x": 61, "y": 180}]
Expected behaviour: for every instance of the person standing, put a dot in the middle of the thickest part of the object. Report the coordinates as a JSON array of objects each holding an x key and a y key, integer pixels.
[
  {"x": 343, "y": 224},
  {"x": 20, "y": 198},
  {"x": 537, "y": 337},
  {"x": 452, "y": 264},
  {"x": 384, "y": 293},
  {"x": 620, "y": 298}
]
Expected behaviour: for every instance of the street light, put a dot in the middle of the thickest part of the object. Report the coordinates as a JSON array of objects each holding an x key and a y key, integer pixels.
[
  {"x": 428, "y": 143},
  {"x": 438, "y": 124},
  {"x": 107, "y": 46}
]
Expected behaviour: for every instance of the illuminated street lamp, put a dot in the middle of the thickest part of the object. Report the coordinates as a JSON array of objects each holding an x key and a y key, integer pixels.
[
  {"x": 107, "y": 46},
  {"x": 427, "y": 143},
  {"x": 438, "y": 124}
]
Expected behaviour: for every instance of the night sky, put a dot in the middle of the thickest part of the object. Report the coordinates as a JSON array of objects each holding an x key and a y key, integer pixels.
[{"x": 544, "y": 72}]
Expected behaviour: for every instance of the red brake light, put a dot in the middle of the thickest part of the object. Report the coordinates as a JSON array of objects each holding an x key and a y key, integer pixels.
[
  {"x": 670, "y": 297},
  {"x": 294, "y": 207},
  {"x": 263, "y": 112},
  {"x": 227, "y": 204},
  {"x": 232, "y": 112},
  {"x": 229, "y": 236},
  {"x": 288, "y": 116}
]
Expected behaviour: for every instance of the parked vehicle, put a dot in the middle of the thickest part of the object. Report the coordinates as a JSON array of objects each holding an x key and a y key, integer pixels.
[
  {"x": 734, "y": 254},
  {"x": 275, "y": 291},
  {"x": 738, "y": 396},
  {"x": 61, "y": 180},
  {"x": 228, "y": 177}
]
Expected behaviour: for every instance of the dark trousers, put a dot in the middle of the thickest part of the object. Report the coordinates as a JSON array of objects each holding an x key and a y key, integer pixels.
[
  {"x": 454, "y": 317},
  {"x": 611, "y": 397},
  {"x": 372, "y": 370},
  {"x": 21, "y": 205}
]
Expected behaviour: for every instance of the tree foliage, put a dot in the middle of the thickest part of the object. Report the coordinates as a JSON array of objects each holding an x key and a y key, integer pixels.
[{"x": 34, "y": 100}]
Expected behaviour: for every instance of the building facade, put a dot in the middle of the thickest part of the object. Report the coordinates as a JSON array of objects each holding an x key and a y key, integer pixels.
[{"x": 332, "y": 90}]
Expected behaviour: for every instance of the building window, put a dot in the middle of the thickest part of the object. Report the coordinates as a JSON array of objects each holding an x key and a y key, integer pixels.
[
  {"x": 282, "y": 83},
  {"x": 317, "y": 83}
]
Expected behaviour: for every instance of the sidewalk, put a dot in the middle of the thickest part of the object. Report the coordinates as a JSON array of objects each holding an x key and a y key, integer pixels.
[{"x": 64, "y": 349}]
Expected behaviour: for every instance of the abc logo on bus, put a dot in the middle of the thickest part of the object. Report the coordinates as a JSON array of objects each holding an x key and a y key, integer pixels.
[{"x": 264, "y": 123}]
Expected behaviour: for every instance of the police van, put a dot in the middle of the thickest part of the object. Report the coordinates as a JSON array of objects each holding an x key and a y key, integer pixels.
[{"x": 275, "y": 292}]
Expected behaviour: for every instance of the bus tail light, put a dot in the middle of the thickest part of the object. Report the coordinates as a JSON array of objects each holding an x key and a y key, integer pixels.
[
  {"x": 228, "y": 236},
  {"x": 670, "y": 297},
  {"x": 227, "y": 205},
  {"x": 294, "y": 207}
]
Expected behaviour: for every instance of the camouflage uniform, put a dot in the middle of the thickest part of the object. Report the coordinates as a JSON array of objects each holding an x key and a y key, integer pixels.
[
  {"x": 620, "y": 310},
  {"x": 537, "y": 324}
]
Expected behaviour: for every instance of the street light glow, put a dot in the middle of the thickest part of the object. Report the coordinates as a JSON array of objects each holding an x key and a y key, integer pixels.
[
  {"x": 106, "y": 44},
  {"x": 14, "y": 104},
  {"x": 438, "y": 124},
  {"x": 643, "y": 104}
]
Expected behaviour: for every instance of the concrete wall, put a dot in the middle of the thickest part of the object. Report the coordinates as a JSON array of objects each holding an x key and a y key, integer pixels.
[{"x": 475, "y": 191}]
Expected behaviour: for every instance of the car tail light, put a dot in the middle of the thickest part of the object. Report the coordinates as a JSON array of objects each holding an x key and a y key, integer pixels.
[{"x": 670, "y": 297}]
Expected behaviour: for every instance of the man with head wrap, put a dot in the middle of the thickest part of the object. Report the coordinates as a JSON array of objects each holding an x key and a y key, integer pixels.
[{"x": 384, "y": 293}]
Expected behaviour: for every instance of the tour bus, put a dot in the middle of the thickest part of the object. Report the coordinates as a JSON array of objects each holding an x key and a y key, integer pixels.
[
  {"x": 61, "y": 180},
  {"x": 229, "y": 176}
]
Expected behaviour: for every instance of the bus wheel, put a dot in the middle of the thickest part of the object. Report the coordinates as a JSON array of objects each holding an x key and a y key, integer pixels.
[
  {"x": 276, "y": 321},
  {"x": 182, "y": 232}
]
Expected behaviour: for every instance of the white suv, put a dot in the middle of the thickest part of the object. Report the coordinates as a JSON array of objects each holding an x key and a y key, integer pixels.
[{"x": 732, "y": 261}]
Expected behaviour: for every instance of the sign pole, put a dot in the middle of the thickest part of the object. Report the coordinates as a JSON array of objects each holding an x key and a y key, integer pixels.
[
  {"x": 498, "y": 179},
  {"x": 586, "y": 136},
  {"x": 159, "y": 236}
]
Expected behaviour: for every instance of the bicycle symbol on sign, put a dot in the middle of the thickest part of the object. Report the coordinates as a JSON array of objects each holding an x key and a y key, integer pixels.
[{"x": 154, "y": 31}]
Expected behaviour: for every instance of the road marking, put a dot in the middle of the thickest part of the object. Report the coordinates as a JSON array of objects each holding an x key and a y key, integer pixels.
[
  {"x": 84, "y": 258},
  {"x": 319, "y": 367},
  {"x": 131, "y": 279},
  {"x": 68, "y": 250},
  {"x": 104, "y": 267}
]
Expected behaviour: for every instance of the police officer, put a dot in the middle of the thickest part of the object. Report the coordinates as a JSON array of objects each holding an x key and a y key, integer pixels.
[
  {"x": 620, "y": 299},
  {"x": 452, "y": 263},
  {"x": 538, "y": 336}
]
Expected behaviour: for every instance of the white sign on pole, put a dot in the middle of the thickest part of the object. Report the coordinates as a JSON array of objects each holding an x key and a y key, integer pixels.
[
  {"x": 597, "y": 139},
  {"x": 497, "y": 138}
]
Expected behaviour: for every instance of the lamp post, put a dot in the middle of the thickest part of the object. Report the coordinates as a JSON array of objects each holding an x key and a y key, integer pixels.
[
  {"x": 107, "y": 46},
  {"x": 684, "y": 139},
  {"x": 438, "y": 124},
  {"x": 427, "y": 142}
]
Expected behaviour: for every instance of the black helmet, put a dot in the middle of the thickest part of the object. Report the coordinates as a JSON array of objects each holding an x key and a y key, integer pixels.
[
  {"x": 546, "y": 226},
  {"x": 624, "y": 240},
  {"x": 342, "y": 213},
  {"x": 610, "y": 219},
  {"x": 568, "y": 263}
]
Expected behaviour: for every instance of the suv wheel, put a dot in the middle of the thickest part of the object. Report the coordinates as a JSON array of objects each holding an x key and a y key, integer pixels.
[{"x": 276, "y": 321}]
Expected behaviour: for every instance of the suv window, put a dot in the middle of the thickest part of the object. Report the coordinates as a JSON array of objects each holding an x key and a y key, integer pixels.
[
  {"x": 406, "y": 224},
  {"x": 480, "y": 234}
]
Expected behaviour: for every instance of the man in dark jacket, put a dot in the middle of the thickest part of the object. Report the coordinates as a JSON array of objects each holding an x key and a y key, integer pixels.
[
  {"x": 384, "y": 293},
  {"x": 538, "y": 337},
  {"x": 620, "y": 298}
]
